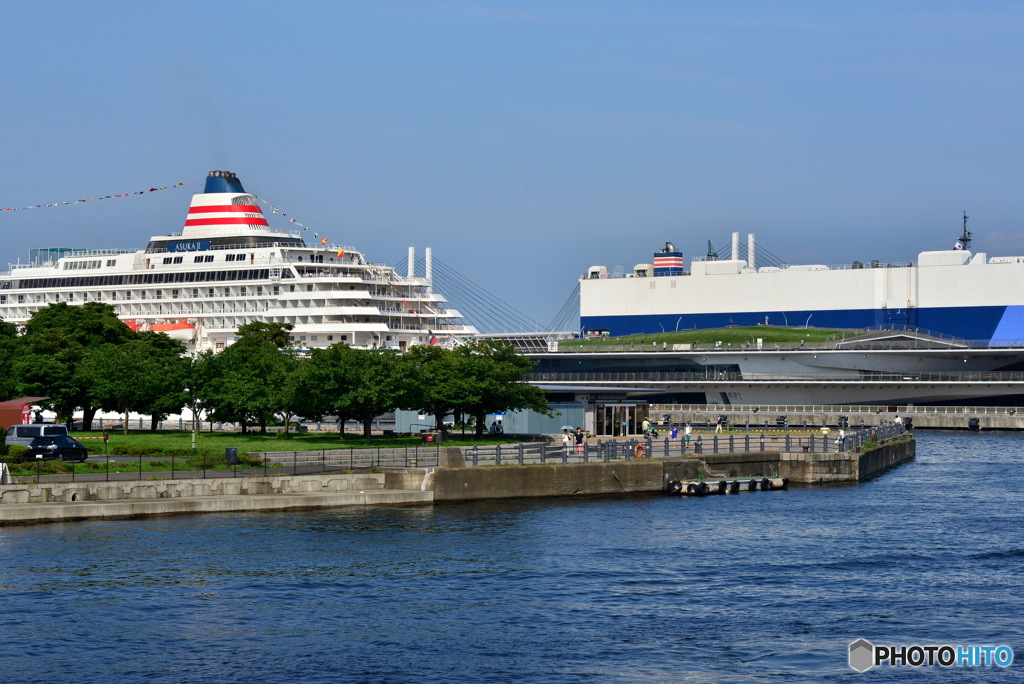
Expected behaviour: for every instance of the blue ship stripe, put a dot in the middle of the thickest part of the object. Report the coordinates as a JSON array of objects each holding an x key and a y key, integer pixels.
[{"x": 971, "y": 323}]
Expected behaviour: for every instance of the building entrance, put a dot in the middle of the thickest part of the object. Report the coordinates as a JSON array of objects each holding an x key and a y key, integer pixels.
[{"x": 619, "y": 420}]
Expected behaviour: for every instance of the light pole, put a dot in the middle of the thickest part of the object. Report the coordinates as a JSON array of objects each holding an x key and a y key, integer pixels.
[{"x": 192, "y": 408}]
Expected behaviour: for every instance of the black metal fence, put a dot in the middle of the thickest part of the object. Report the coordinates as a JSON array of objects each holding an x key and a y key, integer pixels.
[{"x": 120, "y": 468}]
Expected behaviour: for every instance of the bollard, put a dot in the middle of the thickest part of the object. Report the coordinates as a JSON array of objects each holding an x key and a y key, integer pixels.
[
  {"x": 714, "y": 445},
  {"x": 520, "y": 453},
  {"x": 497, "y": 454}
]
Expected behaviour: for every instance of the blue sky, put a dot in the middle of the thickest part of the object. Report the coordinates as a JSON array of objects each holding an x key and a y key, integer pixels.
[{"x": 524, "y": 141}]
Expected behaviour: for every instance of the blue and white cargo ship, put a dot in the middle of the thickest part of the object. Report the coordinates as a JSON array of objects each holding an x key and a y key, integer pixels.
[{"x": 954, "y": 292}]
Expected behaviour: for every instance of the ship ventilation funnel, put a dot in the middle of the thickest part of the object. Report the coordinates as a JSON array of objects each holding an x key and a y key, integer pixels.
[
  {"x": 751, "y": 260},
  {"x": 412, "y": 261},
  {"x": 223, "y": 181},
  {"x": 735, "y": 246},
  {"x": 429, "y": 258}
]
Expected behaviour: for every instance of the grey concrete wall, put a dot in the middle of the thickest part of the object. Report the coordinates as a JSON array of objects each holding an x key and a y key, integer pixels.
[
  {"x": 799, "y": 468},
  {"x": 578, "y": 479},
  {"x": 170, "y": 489},
  {"x": 886, "y": 456},
  {"x": 527, "y": 481}
]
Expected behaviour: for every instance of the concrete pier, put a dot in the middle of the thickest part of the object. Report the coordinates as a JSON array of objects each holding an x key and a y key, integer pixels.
[
  {"x": 53, "y": 502},
  {"x": 29, "y": 503}
]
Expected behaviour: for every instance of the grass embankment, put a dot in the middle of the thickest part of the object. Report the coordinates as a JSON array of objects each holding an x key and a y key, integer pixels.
[
  {"x": 101, "y": 464},
  {"x": 179, "y": 442},
  {"x": 734, "y": 337}
]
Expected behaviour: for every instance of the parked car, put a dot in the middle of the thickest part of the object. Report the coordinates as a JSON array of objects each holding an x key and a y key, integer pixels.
[
  {"x": 24, "y": 434},
  {"x": 58, "y": 446}
]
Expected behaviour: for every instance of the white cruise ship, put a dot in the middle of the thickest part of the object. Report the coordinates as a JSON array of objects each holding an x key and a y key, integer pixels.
[{"x": 228, "y": 267}]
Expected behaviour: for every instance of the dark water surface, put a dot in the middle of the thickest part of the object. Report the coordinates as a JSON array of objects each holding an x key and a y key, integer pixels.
[{"x": 751, "y": 587}]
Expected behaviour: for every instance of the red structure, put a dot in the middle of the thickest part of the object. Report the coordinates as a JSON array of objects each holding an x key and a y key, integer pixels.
[{"x": 17, "y": 411}]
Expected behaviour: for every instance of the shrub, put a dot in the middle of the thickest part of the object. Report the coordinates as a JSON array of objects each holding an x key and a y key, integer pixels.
[
  {"x": 218, "y": 460},
  {"x": 3, "y": 443},
  {"x": 176, "y": 452},
  {"x": 135, "y": 450},
  {"x": 17, "y": 453}
]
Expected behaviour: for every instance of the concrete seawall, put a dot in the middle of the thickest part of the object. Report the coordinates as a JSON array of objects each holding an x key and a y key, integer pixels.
[
  {"x": 527, "y": 481},
  {"x": 618, "y": 477},
  {"x": 31, "y": 503}
]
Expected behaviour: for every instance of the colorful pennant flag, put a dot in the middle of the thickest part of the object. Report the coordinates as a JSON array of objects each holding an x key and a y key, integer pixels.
[{"x": 90, "y": 199}]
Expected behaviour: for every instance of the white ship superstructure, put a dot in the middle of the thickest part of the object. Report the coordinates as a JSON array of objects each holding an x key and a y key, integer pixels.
[{"x": 229, "y": 267}]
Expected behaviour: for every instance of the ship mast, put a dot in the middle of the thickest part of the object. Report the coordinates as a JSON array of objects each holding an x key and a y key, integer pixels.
[{"x": 965, "y": 239}]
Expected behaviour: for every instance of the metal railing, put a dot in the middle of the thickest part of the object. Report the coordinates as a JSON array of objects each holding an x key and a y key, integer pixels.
[
  {"x": 836, "y": 408},
  {"x": 854, "y": 376},
  {"x": 206, "y": 466}
]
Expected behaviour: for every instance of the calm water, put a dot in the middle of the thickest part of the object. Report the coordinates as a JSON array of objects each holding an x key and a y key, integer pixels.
[{"x": 752, "y": 587}]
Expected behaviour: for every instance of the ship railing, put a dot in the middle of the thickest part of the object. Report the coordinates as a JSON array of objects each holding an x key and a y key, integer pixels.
[
  {"x": 703, "y": 377},
  {"x": 838, "y": 408},
  {"x": 853, "y": 266},
  {"x": 572, "y": 346}
]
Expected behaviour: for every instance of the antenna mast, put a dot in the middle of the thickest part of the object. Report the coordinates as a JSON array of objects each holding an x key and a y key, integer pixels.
[{"x": 965, "y": 239}]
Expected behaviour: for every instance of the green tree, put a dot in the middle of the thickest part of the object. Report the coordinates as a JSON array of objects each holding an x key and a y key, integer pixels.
[
  {"x": 170, "y": 396},
  {"x": 325, "y": 382},
  {"x": 56, "y": 340},
  {"x": 372, "y": 382},
  {"x": 440, "y": 382},
  {"x": 499, "y": 374},
  {"x": 131, "y": 376},
  {"x": 258, "y": 331},
  {"x": 9, "y": 348},
  {"x": 253, "y": 379}
]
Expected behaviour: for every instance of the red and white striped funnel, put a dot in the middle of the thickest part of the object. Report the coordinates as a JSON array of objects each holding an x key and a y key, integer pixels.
[{"x": 225, "y": 208}]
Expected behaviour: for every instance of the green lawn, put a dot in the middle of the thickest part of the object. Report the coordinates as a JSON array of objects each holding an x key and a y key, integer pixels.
[
  {"x": 180, "y": 441},
  {"x": 728, "y": 336}
]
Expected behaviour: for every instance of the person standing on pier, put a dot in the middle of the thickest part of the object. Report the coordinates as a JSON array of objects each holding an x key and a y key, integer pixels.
[
  {"x": 580, "y": 440},
  {"x": 566, "y": 442},
  {"x": 674, "y": 432},
  {"x": 686, "y": 436}
]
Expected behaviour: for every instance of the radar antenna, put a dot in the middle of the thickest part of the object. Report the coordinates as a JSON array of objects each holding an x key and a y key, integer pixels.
[
  {"x": 965, "y": 239},
  {"x": 712, "y": 254}
]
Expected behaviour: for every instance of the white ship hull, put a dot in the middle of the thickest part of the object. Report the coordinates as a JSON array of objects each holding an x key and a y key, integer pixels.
[{"x": 228, "y": 268}]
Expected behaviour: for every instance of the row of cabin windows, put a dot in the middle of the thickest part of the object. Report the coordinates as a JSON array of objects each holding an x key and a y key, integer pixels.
[
  {"x": 175, "y": 294},
  {"x": 313, "y": 338},
  {"x": 200, "y": 259}
]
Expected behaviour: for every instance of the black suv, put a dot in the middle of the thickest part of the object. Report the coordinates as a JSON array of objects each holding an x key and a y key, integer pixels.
[{"x": 58, "y": 446}]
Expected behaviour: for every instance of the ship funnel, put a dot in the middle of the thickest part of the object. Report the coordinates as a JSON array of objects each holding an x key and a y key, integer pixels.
[
  {"x": 223, "y": 181},
  {"x": 429, "y": 275},
  {"x": 411, "y": 267},
  {"x": 751, "y": 261},
  {"x": 669, "y": 247}
]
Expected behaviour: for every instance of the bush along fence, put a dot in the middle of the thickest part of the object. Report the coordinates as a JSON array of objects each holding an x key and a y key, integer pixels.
[{"x": 232, "y": 464}]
